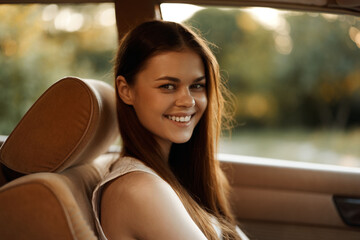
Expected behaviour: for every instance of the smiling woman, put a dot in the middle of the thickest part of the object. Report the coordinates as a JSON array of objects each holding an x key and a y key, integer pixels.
[
  {"x": 295, "y": 78},
  {"x": 168, "y": 87},
  {"x": 165, "y": 93}
]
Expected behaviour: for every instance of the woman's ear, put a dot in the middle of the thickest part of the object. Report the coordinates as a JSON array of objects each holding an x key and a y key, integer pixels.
[{"x": 124, "y": 90}]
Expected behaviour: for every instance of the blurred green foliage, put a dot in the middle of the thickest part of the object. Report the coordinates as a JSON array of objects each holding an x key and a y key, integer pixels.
[
  {"x": 304, "y": 72},
  {"x": 39, "y": 45}
]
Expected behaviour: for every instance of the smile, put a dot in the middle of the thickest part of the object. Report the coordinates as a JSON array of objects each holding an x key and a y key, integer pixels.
[{"x": 179, "y": 119}]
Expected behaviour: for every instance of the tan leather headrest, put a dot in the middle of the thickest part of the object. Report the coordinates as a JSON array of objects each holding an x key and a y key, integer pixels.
[{"x": 73, "y": 122}]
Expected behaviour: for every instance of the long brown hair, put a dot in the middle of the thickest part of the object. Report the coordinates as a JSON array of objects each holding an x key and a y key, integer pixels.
[{"x": 192, "y": 170}]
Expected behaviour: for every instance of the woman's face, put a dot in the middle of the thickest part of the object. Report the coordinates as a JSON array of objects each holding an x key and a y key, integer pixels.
[{"x": 169, "y": 96}]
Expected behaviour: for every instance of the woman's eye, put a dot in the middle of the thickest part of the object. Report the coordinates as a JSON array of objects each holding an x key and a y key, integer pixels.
[
  {"x": 198, "y": 86},
  {"x": 168, "y": 86}
]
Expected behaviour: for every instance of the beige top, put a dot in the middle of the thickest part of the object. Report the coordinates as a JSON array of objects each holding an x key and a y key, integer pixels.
[{"x": 120, "y": 168}]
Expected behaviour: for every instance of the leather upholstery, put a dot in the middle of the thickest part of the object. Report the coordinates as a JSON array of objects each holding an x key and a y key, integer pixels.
[
  {"x": 59, "y": 146},
  {"x": 70, "y": 124},
  {"x": 52, "y": 205}
]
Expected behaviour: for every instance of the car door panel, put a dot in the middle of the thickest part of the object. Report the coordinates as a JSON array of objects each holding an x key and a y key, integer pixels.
[{"x": 274, "y": 199}]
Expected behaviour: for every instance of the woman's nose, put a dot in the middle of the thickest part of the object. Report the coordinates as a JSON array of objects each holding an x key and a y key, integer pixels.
[{"x": 185, "y": 99}]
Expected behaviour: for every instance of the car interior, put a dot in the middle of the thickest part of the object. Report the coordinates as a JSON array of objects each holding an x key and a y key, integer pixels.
[
  {"x": 63, "y": 146},
  {"x": 56, "y": 146}
]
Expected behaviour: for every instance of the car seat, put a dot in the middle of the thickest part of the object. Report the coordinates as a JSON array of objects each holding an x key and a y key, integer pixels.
[{"x": 54, "y": 158}]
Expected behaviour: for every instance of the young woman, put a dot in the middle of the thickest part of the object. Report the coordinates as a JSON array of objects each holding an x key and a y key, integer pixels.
[{"x": 167, "y": 183}]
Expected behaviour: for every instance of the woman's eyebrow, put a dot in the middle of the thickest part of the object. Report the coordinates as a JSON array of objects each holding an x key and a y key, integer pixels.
[
  {"x": 174, "y": 79},
  {"x": 200, "y": 79}
]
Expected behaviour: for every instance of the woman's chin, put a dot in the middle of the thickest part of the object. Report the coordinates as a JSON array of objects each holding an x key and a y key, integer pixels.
[{"x": 181, "y": 140}]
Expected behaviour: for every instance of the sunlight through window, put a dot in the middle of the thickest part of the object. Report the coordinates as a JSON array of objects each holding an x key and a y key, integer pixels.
[{"x": 295, "y": 79}]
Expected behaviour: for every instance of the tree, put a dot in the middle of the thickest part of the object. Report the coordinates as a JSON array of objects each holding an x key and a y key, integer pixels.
[
  {"x": 35, "y": 51},
  {"x": 315, "y": 82}
]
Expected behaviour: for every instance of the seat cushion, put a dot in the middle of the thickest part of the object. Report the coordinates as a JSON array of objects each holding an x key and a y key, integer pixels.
[{"x": 52, "y": 205}]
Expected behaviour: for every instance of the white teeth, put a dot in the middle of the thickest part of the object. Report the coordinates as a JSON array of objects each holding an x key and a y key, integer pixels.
[{"x": 180, "y": 119}]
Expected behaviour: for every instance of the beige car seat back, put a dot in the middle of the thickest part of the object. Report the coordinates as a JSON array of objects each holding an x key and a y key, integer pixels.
[{"x": 57, "y": 153}]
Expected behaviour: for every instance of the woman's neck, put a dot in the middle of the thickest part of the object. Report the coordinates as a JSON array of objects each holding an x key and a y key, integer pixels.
[{"x": 165, "y": 147}]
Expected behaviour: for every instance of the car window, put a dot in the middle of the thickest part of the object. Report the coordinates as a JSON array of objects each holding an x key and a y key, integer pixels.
[
  {"x": 40, "y": 44},
  {"x": 295, "y": 77}
]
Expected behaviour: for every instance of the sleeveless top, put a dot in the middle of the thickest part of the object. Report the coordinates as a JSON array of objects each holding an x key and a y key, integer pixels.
[{"x": 121, "y": 167}]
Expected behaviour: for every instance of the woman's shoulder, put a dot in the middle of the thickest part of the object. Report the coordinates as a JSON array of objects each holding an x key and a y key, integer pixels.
[
  {"x": 135, "y": 190},
  {"x": 138, "y": 187},
  {"x": 128, "y": 164},
  {"x": 135, "y": 203},
  {"x": 131, "y": 180},
  {"x": 134, "y": 182},
  {"x": 123, "y": 166},
  {"x": 142, "y": 205}
]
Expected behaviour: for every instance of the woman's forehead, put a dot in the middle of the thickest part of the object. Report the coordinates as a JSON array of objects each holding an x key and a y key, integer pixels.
[{"x": 175, "y": 61}]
